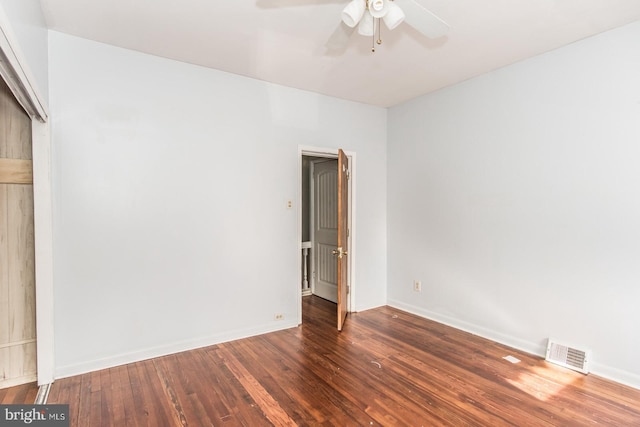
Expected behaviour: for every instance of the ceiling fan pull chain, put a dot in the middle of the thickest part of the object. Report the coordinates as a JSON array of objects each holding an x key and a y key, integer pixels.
[
  {"x": 373, "y": 37},
  {"x": 379, "y": 32}
]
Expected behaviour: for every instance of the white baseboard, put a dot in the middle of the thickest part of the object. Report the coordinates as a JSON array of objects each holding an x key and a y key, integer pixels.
[
  {"x": 613, "y": 374},
  {"x": 164, "y": 350},
  {"x": 622, "y": 377},
  {"x": 529, "y": 347}
]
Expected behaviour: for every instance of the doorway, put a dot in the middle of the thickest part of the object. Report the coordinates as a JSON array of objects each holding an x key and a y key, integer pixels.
[{"x": 326, "y": 243}]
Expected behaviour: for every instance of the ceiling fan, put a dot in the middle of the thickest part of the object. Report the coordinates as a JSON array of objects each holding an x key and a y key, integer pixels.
[{"x": 367, "y": 14}]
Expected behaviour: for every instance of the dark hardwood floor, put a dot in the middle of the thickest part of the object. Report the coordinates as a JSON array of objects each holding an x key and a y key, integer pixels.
[{"x": 386, "y": 368}]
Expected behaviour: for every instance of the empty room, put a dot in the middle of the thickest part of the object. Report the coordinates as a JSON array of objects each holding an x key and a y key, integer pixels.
[{"x": 320, "y": 212}]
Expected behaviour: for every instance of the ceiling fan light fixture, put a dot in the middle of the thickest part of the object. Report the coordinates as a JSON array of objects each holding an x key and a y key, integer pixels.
[
  {"x": 365, "y": 28},
  {"x": 378, "y": 8},
  {"x": 352, "y": 13},
  {"x": 394, "y": 16}
]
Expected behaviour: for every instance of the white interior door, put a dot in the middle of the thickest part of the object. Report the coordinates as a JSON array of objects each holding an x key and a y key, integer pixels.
[{"x": 325, "y": 229}]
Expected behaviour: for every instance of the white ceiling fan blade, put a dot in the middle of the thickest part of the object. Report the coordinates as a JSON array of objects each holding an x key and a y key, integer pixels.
[
  {"x": 339, "y": 40},
  {"x": 422, "y": 19}
]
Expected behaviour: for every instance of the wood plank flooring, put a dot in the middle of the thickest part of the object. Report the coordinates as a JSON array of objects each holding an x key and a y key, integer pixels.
[
  {"x": 385, "y": 368},
  {"x": 24, "y": 394}
]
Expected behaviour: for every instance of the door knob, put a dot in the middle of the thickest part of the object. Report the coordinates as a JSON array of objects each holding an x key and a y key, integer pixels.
[{"x": 339, "y": 252}]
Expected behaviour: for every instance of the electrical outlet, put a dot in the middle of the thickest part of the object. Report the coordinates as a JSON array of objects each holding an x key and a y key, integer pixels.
[
  {"x": 417, "y": 286},
  {"x": 279, "y": 316}
]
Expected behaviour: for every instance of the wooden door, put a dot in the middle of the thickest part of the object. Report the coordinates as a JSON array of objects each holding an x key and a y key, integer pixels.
[
  {"x": 325, "y": 229},
  {"x": 17, "y": 256},
  {"x": 343, "y": 237}
]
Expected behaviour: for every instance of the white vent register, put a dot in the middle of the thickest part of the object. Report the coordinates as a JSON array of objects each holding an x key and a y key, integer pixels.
[{"x": 569, "y": 357}]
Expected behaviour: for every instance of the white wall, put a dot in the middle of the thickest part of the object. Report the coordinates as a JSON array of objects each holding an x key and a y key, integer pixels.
[
  {"x": 30, "y": 29},
  {"x": 515, "y": 198},
  {"x": 170, "y": 186}
]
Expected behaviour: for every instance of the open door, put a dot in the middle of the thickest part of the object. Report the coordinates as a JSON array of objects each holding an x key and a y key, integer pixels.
[{"x": 343, "y": 237}]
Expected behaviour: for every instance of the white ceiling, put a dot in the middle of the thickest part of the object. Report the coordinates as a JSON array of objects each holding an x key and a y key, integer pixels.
[{"x": 283, "y": 41}]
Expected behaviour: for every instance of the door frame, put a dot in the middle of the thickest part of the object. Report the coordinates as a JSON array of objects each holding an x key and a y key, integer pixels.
[
  {"x": 330, "y": 153},
  {"x": 16, "y": 73}
]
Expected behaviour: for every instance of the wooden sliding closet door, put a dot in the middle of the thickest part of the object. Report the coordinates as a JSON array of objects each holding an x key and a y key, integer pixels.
[{"x": 17, "y": 257}]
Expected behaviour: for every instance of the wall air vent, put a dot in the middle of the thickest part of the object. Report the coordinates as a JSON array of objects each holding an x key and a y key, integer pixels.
[{"x": 569, "y": 357}]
